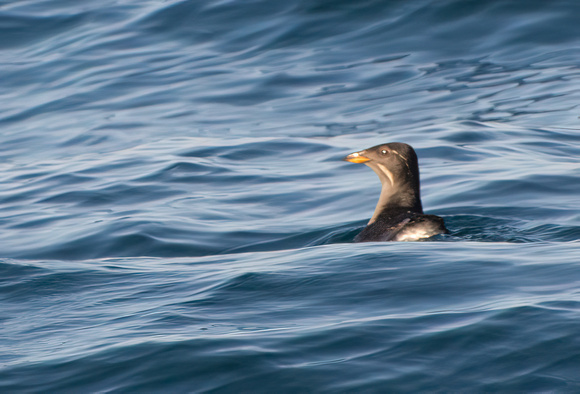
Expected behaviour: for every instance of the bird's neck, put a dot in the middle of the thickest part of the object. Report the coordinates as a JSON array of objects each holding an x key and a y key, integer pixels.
[{"x": 395, "y": 199}]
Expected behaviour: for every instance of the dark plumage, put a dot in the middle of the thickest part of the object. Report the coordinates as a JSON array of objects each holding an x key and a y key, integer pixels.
[{"x": 399, "y": 214}]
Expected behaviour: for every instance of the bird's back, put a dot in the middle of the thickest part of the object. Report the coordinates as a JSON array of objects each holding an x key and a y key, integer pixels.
[{"x": 404, "y": 226}]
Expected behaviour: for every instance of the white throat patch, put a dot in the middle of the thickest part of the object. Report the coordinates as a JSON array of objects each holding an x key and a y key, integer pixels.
[{"x": 388, "y": 173}]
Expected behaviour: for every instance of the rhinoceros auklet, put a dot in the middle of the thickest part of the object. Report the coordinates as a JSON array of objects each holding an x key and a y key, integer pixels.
[{"x": 399, "y": 214}]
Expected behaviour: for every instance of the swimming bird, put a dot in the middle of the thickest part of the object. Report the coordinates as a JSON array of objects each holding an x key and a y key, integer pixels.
[{"x": 399, "y": 214}]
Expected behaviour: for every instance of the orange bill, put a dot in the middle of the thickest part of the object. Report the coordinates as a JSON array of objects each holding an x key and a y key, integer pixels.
[{"x": 356, "y": 157}]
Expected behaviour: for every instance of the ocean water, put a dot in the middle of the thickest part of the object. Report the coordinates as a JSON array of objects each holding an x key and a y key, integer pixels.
[{"x": 175, "y": 215}]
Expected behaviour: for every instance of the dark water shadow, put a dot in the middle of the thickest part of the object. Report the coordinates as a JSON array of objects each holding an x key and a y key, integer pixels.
[
  {"x": 462, "y": 228},
  {"x": 334, "y": 235}
]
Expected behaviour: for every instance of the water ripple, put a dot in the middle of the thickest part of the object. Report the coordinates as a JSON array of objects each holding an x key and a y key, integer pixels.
[{"x": 175, "y": 214}]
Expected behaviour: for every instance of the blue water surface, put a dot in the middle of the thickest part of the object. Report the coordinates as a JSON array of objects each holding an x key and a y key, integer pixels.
[{"x": 175, "y": 215}]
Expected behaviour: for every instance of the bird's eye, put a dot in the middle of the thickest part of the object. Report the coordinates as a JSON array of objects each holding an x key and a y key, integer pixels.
[{"x": 384, "y": 152}]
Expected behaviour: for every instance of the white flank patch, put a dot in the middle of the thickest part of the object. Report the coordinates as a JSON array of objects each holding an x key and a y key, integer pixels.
[{"x": 413, "y": 236}]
